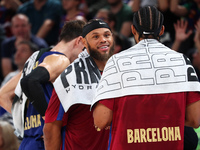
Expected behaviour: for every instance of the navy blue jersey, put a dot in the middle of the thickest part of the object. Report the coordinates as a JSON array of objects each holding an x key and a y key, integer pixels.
[{"x": 33, "y": 121}]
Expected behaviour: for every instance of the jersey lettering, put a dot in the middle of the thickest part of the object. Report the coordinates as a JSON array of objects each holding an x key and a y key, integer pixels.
[
  {"x": 82, "y": 77},
  {"x": 153, "y": 135},
  {"x": 32, "y": 122}
]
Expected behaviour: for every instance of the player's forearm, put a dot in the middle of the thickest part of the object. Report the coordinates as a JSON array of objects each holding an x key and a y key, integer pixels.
[
  {"x": 7, "y": 92},
  {"x": 102, "y": 116},
  {"x": 52, "y": 143},
  {"x": 52, "y": 135},
  {"x": 192, "y": 117},
  {"x": 7, "y": 104},
  {"x": 6, "y": 98}
]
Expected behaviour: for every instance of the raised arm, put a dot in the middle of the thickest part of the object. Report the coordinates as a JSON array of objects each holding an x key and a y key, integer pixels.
[
  {"x": 197, "y": 35},
  {"x": 135, "y": 5},
  {"x": 177, "y": 9},
  {"x": 181, "y": 35},
  {"x": 45, "y": 28},
  {"x": 163, "y": 5}
]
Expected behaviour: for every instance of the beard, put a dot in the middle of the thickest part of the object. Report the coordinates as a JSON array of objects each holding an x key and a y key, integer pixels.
[{"x": 94, "y": 53}]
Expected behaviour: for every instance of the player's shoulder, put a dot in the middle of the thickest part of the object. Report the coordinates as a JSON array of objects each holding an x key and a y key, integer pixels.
[{"x": 57, "y": 58}]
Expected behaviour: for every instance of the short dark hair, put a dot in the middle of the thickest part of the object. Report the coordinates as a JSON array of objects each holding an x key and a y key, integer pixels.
[
  {"x": 71, "y": 30},
  {"x": 33, "y": 47},
  {"x": 148, "y": 21}
]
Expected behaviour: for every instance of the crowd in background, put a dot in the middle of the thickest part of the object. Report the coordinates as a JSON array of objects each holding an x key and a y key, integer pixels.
[{"x": 28, "y": 25}]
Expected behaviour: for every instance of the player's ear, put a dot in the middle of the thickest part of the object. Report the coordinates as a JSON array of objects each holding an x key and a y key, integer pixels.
[
  {"x": 79, "y": 40},
  {"x": 133, "y": 29},
  {"x": 84, "y": 42},
  {"x": 162, "y": 30}
]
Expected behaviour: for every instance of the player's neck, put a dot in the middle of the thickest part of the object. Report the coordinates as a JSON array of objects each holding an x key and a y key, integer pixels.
[
  {"x": 66, "y": 49},
  {"x": 100, "y": 64},
  {"x": 61, "y": 47}
]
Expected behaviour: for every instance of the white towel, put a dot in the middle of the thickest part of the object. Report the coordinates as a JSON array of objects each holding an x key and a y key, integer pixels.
[
  {"x": 146, "y": 68},
  {"x": 77, "y": 83},
  {"x": 19, "y": 107}
]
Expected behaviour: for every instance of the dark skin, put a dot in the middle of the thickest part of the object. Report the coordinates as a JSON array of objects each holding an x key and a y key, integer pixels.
[
  {"x": 99, "y": 40},
  {"x": 103, "y": 115}
]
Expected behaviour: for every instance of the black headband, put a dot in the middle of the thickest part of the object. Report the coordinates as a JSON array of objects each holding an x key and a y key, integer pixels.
[{"x": 94, "y": 25}]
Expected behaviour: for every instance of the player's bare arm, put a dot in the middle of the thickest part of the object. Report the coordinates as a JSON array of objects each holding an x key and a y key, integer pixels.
[
  {"x": 192, "y": 116},
  {"x": 55, "y": 64},
  {"x": 52, "y": 135},
  {"x": 7, "y": 92},
  {"x": 102, "y": 116}
]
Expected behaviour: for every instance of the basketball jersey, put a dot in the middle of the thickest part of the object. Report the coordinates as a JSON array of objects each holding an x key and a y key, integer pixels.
[
  {"x": 149, "y": 121},
  {"x": 33, "y": 126}
]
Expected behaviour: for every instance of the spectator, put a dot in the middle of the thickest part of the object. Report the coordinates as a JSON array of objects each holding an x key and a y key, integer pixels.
[
  {"x": 196, "y": 53},
  {"x": 119, "y": 42},
  {"x": 180, "y": 34},
  {"x": 8, "y": 9},
  {"x": 170, "y": 18},
  {"x": 90, "y": 7},
  {"x": 190, "y": 12},
  {"x": 72, "y": 11},
  {"x": 197, "y": 35},
  {"x": 44, "y": 16},
  {"x": 21, "y": 30},
  {"x": 137, "y": 4},
  {"x": 11, "y": 4},
  {"x": 107, "y": 16},
  {"x": 24, "y": 50},
  {"x": 110, "y": 19},
  {"x": 8, "y": 141},
  {"x": 123, "y": 14},
  {"x": 2, "y": 37},
  {"x": 196, "y": 63}
]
